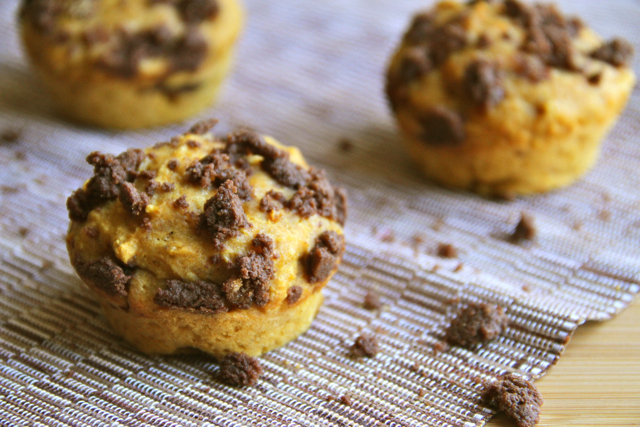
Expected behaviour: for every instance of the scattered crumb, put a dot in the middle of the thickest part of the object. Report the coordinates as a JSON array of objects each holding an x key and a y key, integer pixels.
[
  {"x": 440, "y": 346},
  {"x": 421, "y": 392},
  {"x": 387, "y": 235},
  {"x": 447, "y": 250},
  {"x": 23, "y": 231},
  {"x": 437, "y": 225},
  {"x": 458, "y": 268},
  {"x": 604, "y": 215},
  {"x": 526, "y": 288},
  {"x": 517, "y": 397},
  {"x": 525, "y": 229},
  {"x": 9, "y": 135},
  {"x": 20, "y": 155},
  {"x": 345, "y": 145},
  {"x": 365, "y": 346},
  {"x": 344, "y": 399},
  {"x": 238, "y": 369},
  {"x": 46, "y": 264},
  {"x": 506, "y": 196},
  {"x": 577, "y": 226},
  {"x": 476, "y": 323},
  {"x": 372, "y": 301}
]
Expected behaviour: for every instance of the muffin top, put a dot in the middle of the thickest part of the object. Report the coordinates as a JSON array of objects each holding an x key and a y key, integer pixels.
[
  {"x": 461, "y": 62},
  {"x": 206, "y": 224},
  {"x": 131, "y": 39}
]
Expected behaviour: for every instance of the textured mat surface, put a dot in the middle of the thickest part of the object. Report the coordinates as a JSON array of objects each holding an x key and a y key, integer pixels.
[{"x": 309, "y": 74}]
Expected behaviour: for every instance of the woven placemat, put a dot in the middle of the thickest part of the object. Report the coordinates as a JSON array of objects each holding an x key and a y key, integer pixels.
[{"x": 310, "y": 74}]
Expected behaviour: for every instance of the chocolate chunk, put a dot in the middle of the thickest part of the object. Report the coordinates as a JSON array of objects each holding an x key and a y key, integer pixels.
[
  {"x": 293, "y": 294},
  {"x": 109, "y": 174},
  {"x": 517, "y": 397},
  {"x": 201, "y": 296},
  {"x": 132, "y": 200},
  {"x": 253, "y": 275},
  {"x": 617, "y": 52},
  {"x": 372, "y": 301},
  {"x": 173, "y": 164},
  {"x": 441, "y": 126},
  {"x": 475, "y": 324},
  {"x": 181, "y": 202},
  {"x": 525, "y": 229},
  {"x": 272, "y": 201},
  {"x": 9, "y": 135},
  {"x": 203, "y": 127},
  {"x": 482, "y": 84},
  {"x": 365, "y": 346},
  {"x": 238, "y": 369},
  {"x": 446, "y": 250},
  {"x": 196, "y": 11},
  {"x": 104, "y": 274},
  {"x": 324, "y": 256},
  {"x": 223, "y": 216},
  {"x": 91, "y": 232}
]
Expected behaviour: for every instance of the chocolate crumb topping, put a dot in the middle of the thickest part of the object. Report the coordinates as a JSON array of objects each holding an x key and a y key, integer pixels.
[
  {"x": 324, "y": 256},
  {"x": 253, "y": 274},
  {"x": 477, "y": 323},
  {"x": 617, "y": 52},
  {"x": 517, "y": 397},
  {"x": 181, "y": 202},
  {"x": 238, "y": 369},
  {"x": 293, "y": 294},
  {"x": 525, "y": 229},
  {"x": 447, "y": 250},
  {"x": 365, "y": 346},
  {"x": 151, "y": 187},
  {"x": 201, "y": 296},
  {"x": 196, "y": 11},
  {"x": 441, "y": 126},
  {"x": 109, "y": 174},
  {"x": 202, "y": 127},
  {"x": 103, "y": 273},
  {"x": 132, "y": 200},
  {"x": 482, "y": 84},
  {"x": 167, "y": 186},
  {"x": 223, "y": 216},
  {"x": 272, "y": 201},
  {"x": 173, "y": 164},
  {"x": 372, "y": 301},
  {"x": 193, "y": 144},
  {"x": 214, "y": 169}
]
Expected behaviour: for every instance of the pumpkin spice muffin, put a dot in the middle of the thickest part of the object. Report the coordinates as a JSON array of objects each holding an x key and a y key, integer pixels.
[
  {"x": 131, "y": 64},
  {"x": 222, "y": 245},
  {"x": 505, "y": 97}
]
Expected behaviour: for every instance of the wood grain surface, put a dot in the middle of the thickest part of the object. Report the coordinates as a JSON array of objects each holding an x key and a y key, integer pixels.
[{"x": 597, "y": 380}]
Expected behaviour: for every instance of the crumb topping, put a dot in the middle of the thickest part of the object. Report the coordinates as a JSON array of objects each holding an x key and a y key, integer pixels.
[
  {"x": 238, "y": 369},
  {"x": 201, "y": 296},
  {"x": 293, "y": 294},
  {"x": 525, "y": 229},
  {"x": 482, "y": 84},
  {"x": 272, "y": 201},
  {"x": 617, "y": 52},
  {"x": 441, "y": 126},
  {"x": 105, "y": 274},
  {"x": 223, "y": 216},
  {"x": 475, "y": 324},
  {"x": 323, "y": 258},
  {"x": 517, "y": 397},
  {"x": 132, "y": 200}
]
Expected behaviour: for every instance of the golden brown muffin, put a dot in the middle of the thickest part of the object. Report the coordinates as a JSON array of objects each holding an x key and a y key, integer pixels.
[
  {"x": 503, "y": 97},
  {"x": 131, "y": 64},
  {"x": 222, "y": 245}
]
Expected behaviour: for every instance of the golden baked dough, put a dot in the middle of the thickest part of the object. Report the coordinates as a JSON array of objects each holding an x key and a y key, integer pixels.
[
  {"x": 502, "y": 97},
  {"x": 131, "y": 64},
  {"x": 223, "y": 245}
]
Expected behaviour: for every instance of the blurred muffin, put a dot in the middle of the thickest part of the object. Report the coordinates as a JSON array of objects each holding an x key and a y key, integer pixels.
[
  {"x": 503, "y": 97},
  {"x": 131, "y": 64},
  {"x": 223, "y": 245}
]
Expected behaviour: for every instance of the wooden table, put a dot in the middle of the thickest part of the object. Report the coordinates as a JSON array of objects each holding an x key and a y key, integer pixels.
[{"x": 597, "y": 380}]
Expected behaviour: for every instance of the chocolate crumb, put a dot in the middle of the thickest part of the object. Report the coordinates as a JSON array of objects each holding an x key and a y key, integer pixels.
[
  {"x": 476, "y": 323},
  {"x": 372, "y": 301},
  {"x": 365, "y": 346},
  {"x": 447, "y": 250},
  {"x": 223, "y": 215},
  {"x": 151, "y": 188},
  {"x": 346, "y": 400},
  {"x": 9, "y": 135},
  {"x": 203, "y": 127},
  {"x": 441, "y": 126},
  {"x": 345, "y": 145},
  {"x": 517, "y": 397},
  {"x": 324, "y": 256},
  {"x": 181, "y": 202},
  {"x": 272, "y": 201},
  {"x": 238, "y": 369},
  {"x": 525, "y": 229},
  {"x": 193, "y": 144},
  {"x": 173, "y": 164},
  {"x": 293, "y": 294},
  {"x": 23, "y": 231},
  {"x": 482, "y": 83},
  {"x": 104, "y": 274},
  {"x": 483, "y": 41},
  {"x": 132, "y": 200},
  {"x": 201, "y": 296},
  {"x": 617, "y": 52},
  {"x": 167, "y": 186},
  {"x": 91, "y": 232},
  {"x": 595, "y": 79}
]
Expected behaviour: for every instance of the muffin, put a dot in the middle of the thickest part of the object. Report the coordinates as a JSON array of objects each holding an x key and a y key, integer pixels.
[
  {"x": 221, "y": 245},
  {"x": 131, "y": 64},
  {"x": 503, "y": 97}
]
